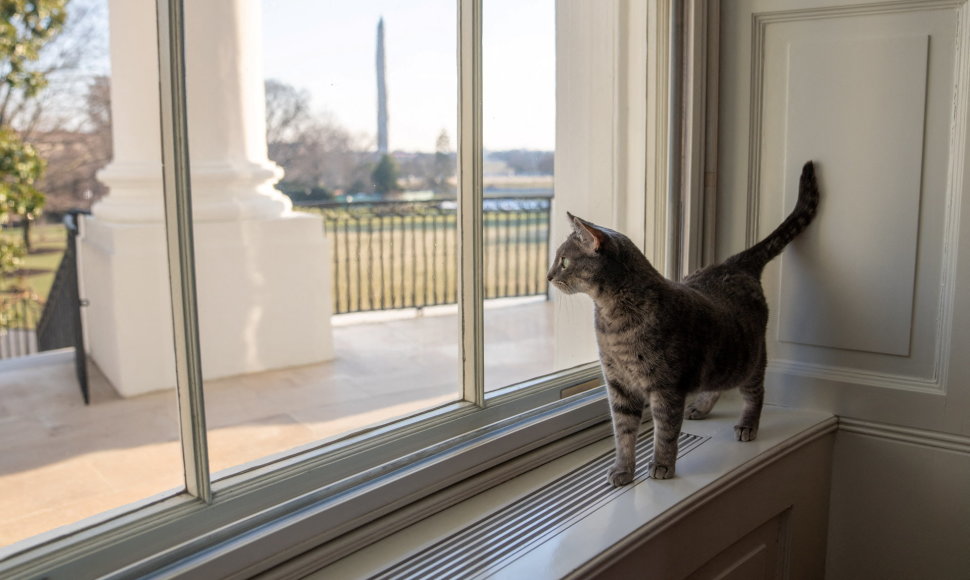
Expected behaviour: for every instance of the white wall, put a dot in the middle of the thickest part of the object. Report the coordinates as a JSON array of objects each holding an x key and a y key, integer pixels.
[{"x": 899, "y": 508}]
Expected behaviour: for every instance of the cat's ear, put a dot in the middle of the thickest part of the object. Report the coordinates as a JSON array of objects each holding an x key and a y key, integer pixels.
[{"x": 589, "y": 234}]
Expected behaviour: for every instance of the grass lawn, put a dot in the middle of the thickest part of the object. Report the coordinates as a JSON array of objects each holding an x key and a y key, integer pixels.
[{"x": 37, "y": 268}]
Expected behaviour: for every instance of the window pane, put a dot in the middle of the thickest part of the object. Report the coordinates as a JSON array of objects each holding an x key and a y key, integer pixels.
[
  {"x": 519, "y": 101},
  {"x": 325, "y": 227},
  {"x": 97, "y": 129}
]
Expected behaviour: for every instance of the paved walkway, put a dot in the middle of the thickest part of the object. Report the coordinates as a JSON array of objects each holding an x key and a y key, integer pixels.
[{"x": 62, "y": 462}]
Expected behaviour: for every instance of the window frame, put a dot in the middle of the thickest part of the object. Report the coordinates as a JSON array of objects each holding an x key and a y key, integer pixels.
[{"x": 321, "y": 492}]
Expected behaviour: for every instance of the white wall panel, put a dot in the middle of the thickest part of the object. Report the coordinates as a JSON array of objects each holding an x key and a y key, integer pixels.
[
  {"x": 864, "y": 303},
  {"x": 849, "y": 282}
]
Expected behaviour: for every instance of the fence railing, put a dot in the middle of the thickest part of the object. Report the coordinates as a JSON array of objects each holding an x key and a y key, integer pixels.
[
  {"x": 19, "y": 314},
  {"x": 403, "y": 254}
]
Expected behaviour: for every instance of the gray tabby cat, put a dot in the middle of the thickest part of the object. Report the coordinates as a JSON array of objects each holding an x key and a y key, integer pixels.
[{"x": 661, "y": 340}]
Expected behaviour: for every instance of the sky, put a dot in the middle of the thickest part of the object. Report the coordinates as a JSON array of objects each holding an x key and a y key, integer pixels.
[{"x": 328, "y": 47}]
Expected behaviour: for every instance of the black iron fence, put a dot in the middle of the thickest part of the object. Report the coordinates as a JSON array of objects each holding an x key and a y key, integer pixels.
[
  {"x": 403, "y": 254},
  {"x": 59, "y": 325}
]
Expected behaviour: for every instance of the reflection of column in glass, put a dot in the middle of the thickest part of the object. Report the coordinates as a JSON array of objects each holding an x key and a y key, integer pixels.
[
  {"x": 249, "y": 317},
  {"x": 381, "y": 91}
]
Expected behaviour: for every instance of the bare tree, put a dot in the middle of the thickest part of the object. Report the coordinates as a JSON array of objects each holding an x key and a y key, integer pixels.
[
  {"x": 313, "y": 149},
  {"x": 287, "y": 112},
  {"x": 75, "y": 156}
]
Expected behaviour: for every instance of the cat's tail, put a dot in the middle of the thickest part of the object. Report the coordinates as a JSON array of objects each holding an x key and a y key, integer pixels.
[{"x": 754, "y": 258}]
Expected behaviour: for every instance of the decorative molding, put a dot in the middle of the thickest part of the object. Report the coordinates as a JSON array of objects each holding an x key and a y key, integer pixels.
[
  {"x": 866, "y": 378},
  {"x": 911, "y": 435},
  {"x": 960, "y": 117},
  {"x": 842, "y": 11},
  {"x": 956, "y": 170},
  {"x": 759, "y": 25}
]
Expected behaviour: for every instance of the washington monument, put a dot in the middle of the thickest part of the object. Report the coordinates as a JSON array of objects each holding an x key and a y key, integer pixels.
[{"x": 381, "y": 91}]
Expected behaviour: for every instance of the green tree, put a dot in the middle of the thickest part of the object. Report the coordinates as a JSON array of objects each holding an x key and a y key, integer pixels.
[
  {"x": 20, "y": 168},
  {"x": 11, "y": 256},
  {"x": 384, "y": 175},
  {"x": 26, "y": 26}
]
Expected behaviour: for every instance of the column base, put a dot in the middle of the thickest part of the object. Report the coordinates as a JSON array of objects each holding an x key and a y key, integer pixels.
[{"x": 264, "y": 297}]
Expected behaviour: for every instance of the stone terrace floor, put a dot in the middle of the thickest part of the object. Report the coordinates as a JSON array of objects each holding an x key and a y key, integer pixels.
[{"x": 62, "y": 461}]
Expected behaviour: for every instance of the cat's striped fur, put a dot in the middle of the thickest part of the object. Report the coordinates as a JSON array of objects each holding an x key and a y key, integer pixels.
[{"x": 660, "y": 340}]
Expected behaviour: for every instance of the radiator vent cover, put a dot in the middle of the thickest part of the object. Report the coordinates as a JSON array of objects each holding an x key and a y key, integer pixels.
[{"x": 496, "y": 540}]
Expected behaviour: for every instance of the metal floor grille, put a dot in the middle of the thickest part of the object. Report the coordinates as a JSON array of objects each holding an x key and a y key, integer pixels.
[{"x": 492, "y": 542}]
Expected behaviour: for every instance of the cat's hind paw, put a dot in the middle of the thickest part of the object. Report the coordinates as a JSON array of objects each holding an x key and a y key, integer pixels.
[
  {"x": 619, "y": 476},
  {"x": 657, "y": 471},
  {"x": 745, "y": 433},
  {"x": 693, "y": 413}
]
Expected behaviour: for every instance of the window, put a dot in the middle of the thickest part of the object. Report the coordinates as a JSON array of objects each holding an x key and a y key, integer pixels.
[{"x": 297, "y": 457}]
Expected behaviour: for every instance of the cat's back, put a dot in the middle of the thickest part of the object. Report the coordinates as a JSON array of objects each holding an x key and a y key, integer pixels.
[{"x": 728, "y": 287}]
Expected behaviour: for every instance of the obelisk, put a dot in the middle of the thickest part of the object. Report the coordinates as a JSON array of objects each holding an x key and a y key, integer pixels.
[{"x": 381, "y": 92}]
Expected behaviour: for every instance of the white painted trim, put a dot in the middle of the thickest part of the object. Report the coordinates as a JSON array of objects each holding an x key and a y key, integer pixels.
[
  {"x": 706, "y": 495},
  {"x": 717, "y": 465},
  {"x": 921, "y": 437},
  {"x": 673, "y": 217},
  {"x": 242, "y": 548},
  {"x": 179, "y": 235},
  {"x": 855, "y": 376},
  {"x": 956, "y": 171},
  {"x": 368, "y": 535},
  {"x": 631, "y": 134},
  {"x": 471, "y": 294},
  {"x": 657, "y": 105},
  {"x": 699, "y": 158}
]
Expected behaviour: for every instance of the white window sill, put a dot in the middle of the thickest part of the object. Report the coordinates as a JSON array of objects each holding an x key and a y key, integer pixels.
[{"x": 637, "y": 509}]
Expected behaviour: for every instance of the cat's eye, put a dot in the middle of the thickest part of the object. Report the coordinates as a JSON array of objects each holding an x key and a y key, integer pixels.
[{"x": 564, "y": 262}]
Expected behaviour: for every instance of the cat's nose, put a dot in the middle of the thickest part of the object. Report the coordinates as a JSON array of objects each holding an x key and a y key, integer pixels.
[{"x": 549, "y": 277}]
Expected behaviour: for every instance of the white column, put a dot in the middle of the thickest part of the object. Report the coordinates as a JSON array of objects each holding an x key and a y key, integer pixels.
[
  {"x": 231, "y": 176},
  {"x": 262, "y": 270},
  {"x": 135, "y": 173}
]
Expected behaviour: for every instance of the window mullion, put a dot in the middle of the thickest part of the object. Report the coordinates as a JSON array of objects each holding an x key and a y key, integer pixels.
[
  {"x": 181, "y": 256},
  {"x": 470, "y": 291},
  {"x": 672, "y": 251}
]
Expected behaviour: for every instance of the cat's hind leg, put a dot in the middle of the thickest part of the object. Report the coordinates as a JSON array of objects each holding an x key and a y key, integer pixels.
[
  {"x": 754, "y": 396},
  {"x": 668, "y": 416},
  {"x": 753, "y": 393},
  {"x": 702, "y": 405},
  {"x": 626, "y": 408}
]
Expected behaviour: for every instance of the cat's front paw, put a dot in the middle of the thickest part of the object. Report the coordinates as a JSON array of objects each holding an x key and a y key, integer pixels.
[
  {"x": 745, "y": 433},
  {"x": 619, "y": 475},
  {"x": 658, "y": 471}
]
